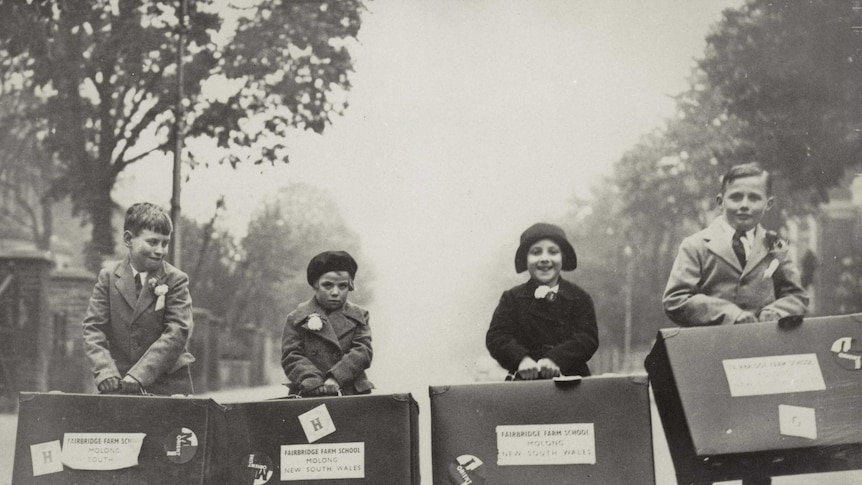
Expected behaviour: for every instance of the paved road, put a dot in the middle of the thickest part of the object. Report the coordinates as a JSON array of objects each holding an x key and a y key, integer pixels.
[{"x": 664, "y": 467}]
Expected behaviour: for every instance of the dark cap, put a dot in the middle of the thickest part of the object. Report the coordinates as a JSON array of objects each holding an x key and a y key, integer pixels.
[
  {"x": 330, "y": 261},
  {"x": 536, "y": 233}
]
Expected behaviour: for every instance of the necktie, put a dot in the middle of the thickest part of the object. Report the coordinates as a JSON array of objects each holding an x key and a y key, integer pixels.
[
  {"x": 138, "y": 283},
  {"x": 737, "y": 247}
]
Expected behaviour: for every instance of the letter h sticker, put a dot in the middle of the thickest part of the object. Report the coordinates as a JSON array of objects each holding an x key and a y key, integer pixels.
[
  {"x": 317, "y": 423},
  {"x": 46, "y": 458}
]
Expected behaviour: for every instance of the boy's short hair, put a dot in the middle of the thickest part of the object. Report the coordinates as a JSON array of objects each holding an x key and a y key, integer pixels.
[
  {"x": 145, "y": 215},
  {"x": 751, "y": 169}
]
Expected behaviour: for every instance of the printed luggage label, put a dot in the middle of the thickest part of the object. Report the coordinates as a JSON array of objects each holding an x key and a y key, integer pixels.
[
  {"x": 101, "y": 451},
  {"x": 323, "y": 461},
  {"x": 546, "y": 444},
  {"x": 779, "y": 374}
]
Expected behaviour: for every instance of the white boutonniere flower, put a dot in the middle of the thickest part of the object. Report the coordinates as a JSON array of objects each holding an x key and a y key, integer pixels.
[
  {"x": 545, "y": 292},
  {"x": 770, "y": 270},
  {"x": 314, "y": 322},
  {"x": 541, "y": 292},
  {"x": 777, "y": 248},
  {"x": 160, "y": 290}
]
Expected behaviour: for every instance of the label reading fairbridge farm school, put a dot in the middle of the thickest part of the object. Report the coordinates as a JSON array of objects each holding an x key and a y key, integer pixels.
[
  {"x": 546, "y": 444},
  {"x": 322, "y": 461},
  {"x": 780, "y": 374}
]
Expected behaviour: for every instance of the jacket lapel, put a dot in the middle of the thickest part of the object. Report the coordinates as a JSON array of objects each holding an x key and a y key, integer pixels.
[
  {"x": 147, "y": 296},
  {"x": 328, "y": 332},
  {"x": 540, "y": 309},
  {"x": 125, "y": 283},
  {"x": 758, "y": 250},
  {"x": 718, "y": 242}
]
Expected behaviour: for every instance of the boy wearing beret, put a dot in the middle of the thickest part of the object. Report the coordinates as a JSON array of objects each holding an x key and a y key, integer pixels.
[{"x": 326, "y": 345}]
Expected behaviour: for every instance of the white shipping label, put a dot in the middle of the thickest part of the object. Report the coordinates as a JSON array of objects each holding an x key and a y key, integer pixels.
[
  {"x": 780, "y": 374},
  {"x": 797, "y": 421},
  {"x": 101, "y": 451},
  {"x": 546, "y": 444},
  {"x": 46, "y": 458},
  {"x": 322, "y": 462}
]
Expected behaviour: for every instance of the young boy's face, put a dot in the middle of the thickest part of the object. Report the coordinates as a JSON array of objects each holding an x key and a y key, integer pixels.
[
  {"x": 147, "y": 249},
  {"x": 744, "y": 202},
  {"x": 331, "y": 290},
  {"x": 545, "y": 261}
]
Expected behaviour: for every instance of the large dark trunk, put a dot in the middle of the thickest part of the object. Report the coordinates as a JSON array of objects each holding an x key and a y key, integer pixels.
[{"x": 100, "y": 209}]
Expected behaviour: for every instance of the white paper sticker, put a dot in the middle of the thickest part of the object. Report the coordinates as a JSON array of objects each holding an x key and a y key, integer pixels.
[
  {"x": 46, "y": 458},
  {"x": 323, "y": 461},
  {"x": 780, "y": 374},
  {"x": 797, "y": 421},
  {"x": 317, "y": 423},
  {"x": 102, "y": 451},
  {"x": 546, "y": 444}
]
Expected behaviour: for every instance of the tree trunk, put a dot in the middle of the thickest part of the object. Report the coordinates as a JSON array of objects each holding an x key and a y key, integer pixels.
[
  {"x": 43, "y": 241},
  {"x": 100, "y": 209}
]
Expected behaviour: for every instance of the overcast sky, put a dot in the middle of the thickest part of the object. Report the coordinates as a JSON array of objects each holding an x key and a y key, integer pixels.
[{"x": 468, "y": 121}]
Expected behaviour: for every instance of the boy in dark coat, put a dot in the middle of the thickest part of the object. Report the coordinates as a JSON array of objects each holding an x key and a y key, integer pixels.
[
  {"x": 326, "y": 345},
  {"x": 545, "y": 327},
  {"x": 139, "y": 319}
]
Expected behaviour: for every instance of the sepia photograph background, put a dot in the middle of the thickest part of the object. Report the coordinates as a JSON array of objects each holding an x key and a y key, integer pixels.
[{"x": 464, "y": 122}]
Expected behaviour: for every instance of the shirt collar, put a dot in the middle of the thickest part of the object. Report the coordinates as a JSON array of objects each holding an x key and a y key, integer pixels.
[
  {"x": 311, "y": 306},
  {"x": 564, "y": 289},
  {"x": 728, "y": 229},
  {"x": 135, "y": 272}
]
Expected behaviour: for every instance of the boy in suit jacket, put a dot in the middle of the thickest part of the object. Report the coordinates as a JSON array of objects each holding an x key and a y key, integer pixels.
[
  {"x": 139, "y": 319},
  {"x": 326, "y": 345},
  {"x": 734, "y": 271}
]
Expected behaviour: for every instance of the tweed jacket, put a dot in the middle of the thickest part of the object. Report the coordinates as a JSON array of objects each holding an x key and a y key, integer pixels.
[
  {"x": 564, "y": 330},
  {"x": 707, "y": 285},
  {"x": 341, "y": 349},
  {"x": 125, "y": 334}
]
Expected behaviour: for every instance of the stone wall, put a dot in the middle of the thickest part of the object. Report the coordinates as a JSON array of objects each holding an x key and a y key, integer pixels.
[
  {"x": 25, "y": 329},
  {"x": 69, "y": 294}
]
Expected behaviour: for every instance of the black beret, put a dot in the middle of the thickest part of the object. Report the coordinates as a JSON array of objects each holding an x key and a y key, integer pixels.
[
  {"x": 536, "y": 233},
  {"x": 330, "y": 261}
]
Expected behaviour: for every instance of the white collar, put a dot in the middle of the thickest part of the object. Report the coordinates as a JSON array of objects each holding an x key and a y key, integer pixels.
[{"x": 135, "y": 272}]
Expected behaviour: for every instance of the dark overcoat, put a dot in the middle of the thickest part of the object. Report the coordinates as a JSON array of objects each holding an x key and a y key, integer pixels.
[
  {"x": 341, "y": 349},
  {"x": 563, "y": 330}
]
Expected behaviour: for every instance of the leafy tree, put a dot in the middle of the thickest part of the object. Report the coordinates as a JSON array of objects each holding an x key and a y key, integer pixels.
[
  {"x": 209, "y": 256},
  {"x": 791, "y": 71},
  {"x": 102, "y": 77},
  {"x": 269, "y": 278},
  {"x": 26, "y": 173}
]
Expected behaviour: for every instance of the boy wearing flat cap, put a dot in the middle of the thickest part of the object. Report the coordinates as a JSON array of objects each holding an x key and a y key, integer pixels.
[
  {"x": 545, "y": 327},
  {"x": 326, "y": 345}
]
